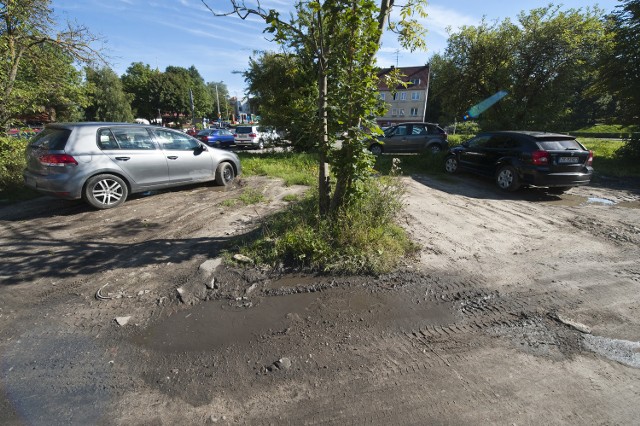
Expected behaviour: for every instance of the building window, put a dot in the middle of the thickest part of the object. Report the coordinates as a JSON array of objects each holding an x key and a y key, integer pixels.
[
  {"x": 403, "y": 96},
  {"x": 414, "y": 112},
  {"x": 415, "y": 96},
  {"x": 415, "y": 81},
  {"x": 382, "y": 96},
  {"x": 394, "y": 112},
  {"x": 401, "y": 112}
]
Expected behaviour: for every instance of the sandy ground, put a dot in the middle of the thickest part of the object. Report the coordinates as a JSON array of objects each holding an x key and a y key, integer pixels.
[{"x": 520, "y": 309}]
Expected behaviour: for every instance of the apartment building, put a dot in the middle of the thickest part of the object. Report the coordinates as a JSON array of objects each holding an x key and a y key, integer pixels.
[{"x": 405, "y": 103}]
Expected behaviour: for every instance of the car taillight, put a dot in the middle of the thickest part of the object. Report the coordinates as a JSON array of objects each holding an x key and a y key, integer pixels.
[
  {"x": 235, "y": 135},
  {"x": 540, "y": 158},
  {"x": 58, "y": 160},
  {"x": 252, "y": 135},
  {"x": 590, "y": 159}
]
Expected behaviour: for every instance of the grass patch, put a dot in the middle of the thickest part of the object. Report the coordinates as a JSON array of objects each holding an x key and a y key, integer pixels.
[
  {"x": 294, "y": 168},
  {"x": 610, "y": 159},
  {"x": 247, "y": 197},
  {"x": 363, "y": 239}
]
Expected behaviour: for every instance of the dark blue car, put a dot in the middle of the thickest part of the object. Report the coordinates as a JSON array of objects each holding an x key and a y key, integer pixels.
[{"x": 217, "y": 138}]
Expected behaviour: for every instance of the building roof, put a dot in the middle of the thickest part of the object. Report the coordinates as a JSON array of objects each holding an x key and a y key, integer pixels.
[{"x": 420, "y": 73}]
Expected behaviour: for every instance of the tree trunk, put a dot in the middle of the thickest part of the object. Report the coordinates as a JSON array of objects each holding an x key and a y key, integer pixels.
[{"x": 324, "y": 182}]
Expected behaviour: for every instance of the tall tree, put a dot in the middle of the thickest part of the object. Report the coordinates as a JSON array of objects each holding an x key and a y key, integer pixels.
[
  {"x": 338, "y": 39},
  {"x": 27, "y": 28},
  {"x": 620, "y": 69},
  {"x": 138, "y": 81},
  {"x": 542, "y": 61},
  {"x": 107, "y": 99},
  {"x": 293, "y": 109}
]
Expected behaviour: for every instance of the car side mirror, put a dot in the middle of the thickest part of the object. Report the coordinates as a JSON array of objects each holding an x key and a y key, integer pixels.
[{"x": 199, "y": 149}]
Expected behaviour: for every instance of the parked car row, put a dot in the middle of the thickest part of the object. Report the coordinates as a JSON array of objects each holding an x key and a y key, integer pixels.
[
  {"x": 513, "y": 158},
  {"x": 255, "y": 137}
]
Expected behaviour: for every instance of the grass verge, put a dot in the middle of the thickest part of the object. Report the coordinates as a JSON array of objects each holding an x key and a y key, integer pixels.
[{"x": 363, "y": 239}]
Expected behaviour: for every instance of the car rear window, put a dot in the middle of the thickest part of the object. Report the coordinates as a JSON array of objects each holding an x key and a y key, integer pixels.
[
  {"x": 51, "y": 139},
  {"x": 559, "y": 144},
  {"x": 244, "y": 129}
]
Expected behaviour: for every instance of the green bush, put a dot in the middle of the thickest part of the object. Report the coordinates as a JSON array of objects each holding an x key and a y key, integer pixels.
[
  {"x": 12, "y": 163},
  {"x": 362, "y": 239}
]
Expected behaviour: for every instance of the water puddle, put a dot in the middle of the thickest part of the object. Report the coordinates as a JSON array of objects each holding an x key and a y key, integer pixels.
[
  {"x": 217, "y": 325},
  {"x": 568, "y": 200},
  {"x": 603, "y": 201},
  {"x": 622, "y": 351}
]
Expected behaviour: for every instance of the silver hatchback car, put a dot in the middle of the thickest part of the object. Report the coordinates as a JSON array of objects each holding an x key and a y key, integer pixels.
[{"x": 104, "y": 162}]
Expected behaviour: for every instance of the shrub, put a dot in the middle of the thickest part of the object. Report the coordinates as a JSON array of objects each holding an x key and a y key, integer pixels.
[
  {"x": 12, "y": 163},
  {"x": 363, "y": 238}
]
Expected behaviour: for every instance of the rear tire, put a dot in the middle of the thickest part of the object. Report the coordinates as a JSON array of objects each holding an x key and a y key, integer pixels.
[
  {"x": 105, "y": 191},
  {"x": 507, "y": 179},
  {"x": 225, "y": 174}
]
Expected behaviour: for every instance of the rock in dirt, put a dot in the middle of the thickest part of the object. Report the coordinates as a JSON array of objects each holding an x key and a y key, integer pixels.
[
  {"x": 208, "y": 267},
  {"x": 571, "y": 323},
  {"x": 122, "y": 321},
  {"x": 242, "y": 258},
  {"x": 283, "y": 364}
]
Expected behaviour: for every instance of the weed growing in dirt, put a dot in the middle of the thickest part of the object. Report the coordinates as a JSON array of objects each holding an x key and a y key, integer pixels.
[
  {"x": 363, "y": 238},
  {"x": 247, "y": 197}
]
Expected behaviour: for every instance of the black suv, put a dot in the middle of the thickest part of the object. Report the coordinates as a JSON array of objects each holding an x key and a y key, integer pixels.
[
  {"x": 514, "y": 159},
  {"x": 411, "y": 137}
]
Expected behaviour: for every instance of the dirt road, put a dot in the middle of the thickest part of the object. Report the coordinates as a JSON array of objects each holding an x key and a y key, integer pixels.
[{"x": 520, "y": 309}]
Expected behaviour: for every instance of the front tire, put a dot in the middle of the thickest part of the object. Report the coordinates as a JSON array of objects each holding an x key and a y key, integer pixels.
[
  {"x": 375, "y": 149},
  {"x": 225, "y": 174},
  {"x": 105, "y": 191},
  {"x": 451, "y": 164},
  {"x": 507, "y": 179}
]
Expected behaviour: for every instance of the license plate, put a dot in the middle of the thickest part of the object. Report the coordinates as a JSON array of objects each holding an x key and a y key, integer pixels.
[{"x": 568, "y": 160}]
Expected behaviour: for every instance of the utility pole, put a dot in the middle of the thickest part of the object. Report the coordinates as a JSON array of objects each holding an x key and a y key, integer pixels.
[
  {"x": 218, "y": 102},
  {"x": 426, "y": 93}
]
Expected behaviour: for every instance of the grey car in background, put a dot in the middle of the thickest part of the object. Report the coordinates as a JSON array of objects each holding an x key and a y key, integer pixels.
[
  {"x": 102, "y": 163},
  {"x": 411, "y": 137}
]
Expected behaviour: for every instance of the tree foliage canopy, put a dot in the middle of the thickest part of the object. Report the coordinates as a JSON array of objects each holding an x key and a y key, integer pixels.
[
  {"x": 543, "y": 61},
  {"x": 36, "y": 70},
  {"x": 107, "y": 99}
]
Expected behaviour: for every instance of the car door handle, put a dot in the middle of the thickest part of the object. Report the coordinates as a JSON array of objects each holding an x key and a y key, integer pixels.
[
  {"x": 123, "y": 158},
  {"x": 172, "y": 157}
]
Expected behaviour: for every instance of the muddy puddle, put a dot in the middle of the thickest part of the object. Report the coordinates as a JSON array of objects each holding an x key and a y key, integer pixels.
[
  {"x": 569, "y": 200},
  {"x": 220, "y": 324}
]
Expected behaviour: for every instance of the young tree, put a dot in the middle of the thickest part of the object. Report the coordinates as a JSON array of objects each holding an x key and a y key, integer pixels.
[
  {"x": 27, "y": 27},
  {"x": 107, "y": 99},
  {"x": 293, "y": 109},
  {"x": 338, "y": 40}
]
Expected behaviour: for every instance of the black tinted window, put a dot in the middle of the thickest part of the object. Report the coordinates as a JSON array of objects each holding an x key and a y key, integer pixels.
[
  {"x": 561, "y": 144},
  {"x": 51, "y": 139},
  {"x": 478, "y": 142}
]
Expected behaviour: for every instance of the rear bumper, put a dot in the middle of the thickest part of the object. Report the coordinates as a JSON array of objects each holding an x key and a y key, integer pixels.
[
  {"x": 55, "y": 185},
  {"x": 540, "y": 178}
]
